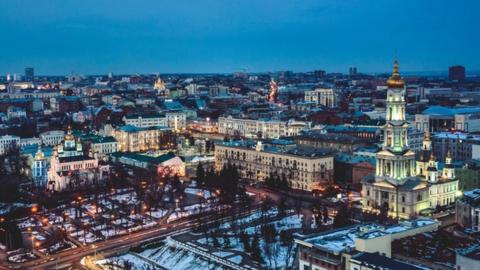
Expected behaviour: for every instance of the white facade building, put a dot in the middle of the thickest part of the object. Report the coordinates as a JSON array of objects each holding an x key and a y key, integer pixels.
[
  {"x": 322, "y": 96},
  {"x": 8, "y": 141},
  {"x": 251, "y": 128},
  {"x": 52, "y": 137}
]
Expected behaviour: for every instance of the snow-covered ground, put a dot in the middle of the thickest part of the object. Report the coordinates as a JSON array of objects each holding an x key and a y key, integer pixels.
[
  {"x": 206, "y": 194},
  {"x": 167, "y": 256}
]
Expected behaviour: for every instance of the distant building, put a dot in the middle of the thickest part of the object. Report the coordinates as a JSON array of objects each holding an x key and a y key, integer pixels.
[
  {"x": 52, "y": 137},
  {"x": 29, "y": 74},
  {"x": 467, "y": 210},
  {"x": 456, "y": 73},
  {"x": 374, "y": 261},
  {"x": 134, "y": 139},
  {"x": 352, "y": 71},
  {"x": 439, "y": 118},
  {"x": 260, "y": 128},
  {"x": 7, "y": 142},
  {"x": 167, "y": 164},
  {"x": 468, "y": 259},
  {"x": 459, "y": 144},
  {"x": 322, "y": 96},
  {"x": 337, "y": 249},
  {"x": 305, "y": 169},
  {"x": 333, "y": 142},
  {"x": 144, "y": 121}
]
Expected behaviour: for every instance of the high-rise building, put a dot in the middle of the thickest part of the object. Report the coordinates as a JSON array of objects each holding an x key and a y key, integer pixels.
[
  {"x": 456, "y": 73},
  {"x": 29, "y": 74},
  {"x": 352, "y": 71},
  {"x": 402, "y": 186}
]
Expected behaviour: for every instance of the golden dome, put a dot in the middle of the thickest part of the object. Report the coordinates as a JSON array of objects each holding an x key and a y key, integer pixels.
[
  {"x": 395, "y": 81},
  {"x": 69, "y": 136}
]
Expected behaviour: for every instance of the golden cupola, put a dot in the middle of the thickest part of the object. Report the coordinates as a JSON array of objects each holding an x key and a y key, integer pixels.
[{"x": 395, "y": 81}]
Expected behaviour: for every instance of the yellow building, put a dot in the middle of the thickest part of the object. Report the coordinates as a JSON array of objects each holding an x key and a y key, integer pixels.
[
  {"x": 307, "y": 170},
  {"x": 134, "y": 139}
]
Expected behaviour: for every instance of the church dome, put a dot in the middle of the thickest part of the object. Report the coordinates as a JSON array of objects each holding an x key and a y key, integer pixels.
[{"x": 395, "y": 81}]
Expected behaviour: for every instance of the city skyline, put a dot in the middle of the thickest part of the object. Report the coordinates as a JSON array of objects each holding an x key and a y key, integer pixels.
[{"x": 184, "y": 37}]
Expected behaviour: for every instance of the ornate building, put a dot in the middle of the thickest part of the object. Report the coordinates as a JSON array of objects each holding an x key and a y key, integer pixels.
[
  {"x": 71, "y": 169},
  {"x": 404, "y": 186},
  {"x": 273, "y": 94}
]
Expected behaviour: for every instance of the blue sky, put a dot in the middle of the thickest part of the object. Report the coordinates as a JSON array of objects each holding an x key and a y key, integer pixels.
[{"x": 146, "y": 36}]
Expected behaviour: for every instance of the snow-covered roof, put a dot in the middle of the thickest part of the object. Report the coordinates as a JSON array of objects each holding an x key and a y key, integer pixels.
[{"x": 343, "y": 239}]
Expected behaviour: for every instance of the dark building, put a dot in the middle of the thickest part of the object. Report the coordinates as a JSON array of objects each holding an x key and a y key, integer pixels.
[
  {"x": 29, "y": 74},
  {"x": 456, "y": 73},
  {"x": 352, "y": 71}
]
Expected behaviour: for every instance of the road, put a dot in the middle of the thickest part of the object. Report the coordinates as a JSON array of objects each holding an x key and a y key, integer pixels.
[{"x": 120, "y": 244}]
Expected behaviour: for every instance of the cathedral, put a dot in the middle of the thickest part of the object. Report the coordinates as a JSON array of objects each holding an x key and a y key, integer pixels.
[
  {"x": 71, "y": 169},
  {"x": 406, "y": 184}
]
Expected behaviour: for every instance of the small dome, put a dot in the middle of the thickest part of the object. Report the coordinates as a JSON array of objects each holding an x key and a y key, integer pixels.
[{"x": 395, "y": 81}]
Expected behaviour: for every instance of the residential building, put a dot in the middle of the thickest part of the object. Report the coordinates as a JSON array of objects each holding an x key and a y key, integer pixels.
[
  {"x": 374, "y": 261},
  {"x": 456, "y": 73},
  {"x": 305, "y": 169},
  {"x": 439, "y": 118},
  {"x": 7, "y": 142},
  {"x": 144, "y": 121},
  {"x": 166, "y": 164},
  {"x": 134, "y": 139},
  {"x": 334, "y": 142},
  {"x": 467, "y": 210},
  {"x": 334, "y": 250},
  {"x": 468, "y": 259},
  {"x": 52, "y": 137},
  {"x": 459, "y": 144},
  {"x": 322, "y": 96},
  {"x": 260, "y": 128}
]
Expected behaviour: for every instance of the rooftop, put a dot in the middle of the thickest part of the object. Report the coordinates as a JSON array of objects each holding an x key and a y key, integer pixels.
[
  {"x": 450, "y": 111},
  {"x": 376, "y": 261},
  {"x": 343, "y": 239}
]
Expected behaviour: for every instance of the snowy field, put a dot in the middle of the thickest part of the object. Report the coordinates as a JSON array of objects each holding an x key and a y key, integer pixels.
[{"x": 166, "y": 255}]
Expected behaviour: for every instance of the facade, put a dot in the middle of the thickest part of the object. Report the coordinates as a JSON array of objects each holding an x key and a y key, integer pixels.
[
  {"x": 374, "y": 261},
  {"x": 398, "y": 187},
  {"x": 176, "y": 120},
  {"x": 263, "y": 128},
  {"x": 439, "y": 118},
  {"x": 459, "y": 144},
  {"x": 322, "y": 96},
  {"x": 468, "y": 259},
  {"x": 333, "y": 250},
  {"x": 103, "y": 145},
  {"x": 456, "y": 73},
  {"x": 7, "y": 142},
  {"x": 133, "y": 139},
  {"x": 144, "y": 121},
  {"x": 306, "y": 170},
  {"x": 52, "y": 137},
  {"x": 467, "y": 210},
  {"x": 71, "y": 169},
  {"x": 167, "y": 164},
  {"x": 334, "y": 142}
]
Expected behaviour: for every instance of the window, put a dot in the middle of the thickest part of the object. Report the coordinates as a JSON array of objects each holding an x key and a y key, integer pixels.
[{"x": 403, "y": 209}]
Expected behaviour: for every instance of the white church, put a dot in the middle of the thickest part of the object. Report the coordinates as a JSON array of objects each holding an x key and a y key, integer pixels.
[
  {"x": 70, "y": 168},
  {"x": 406, "y": 185}
]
